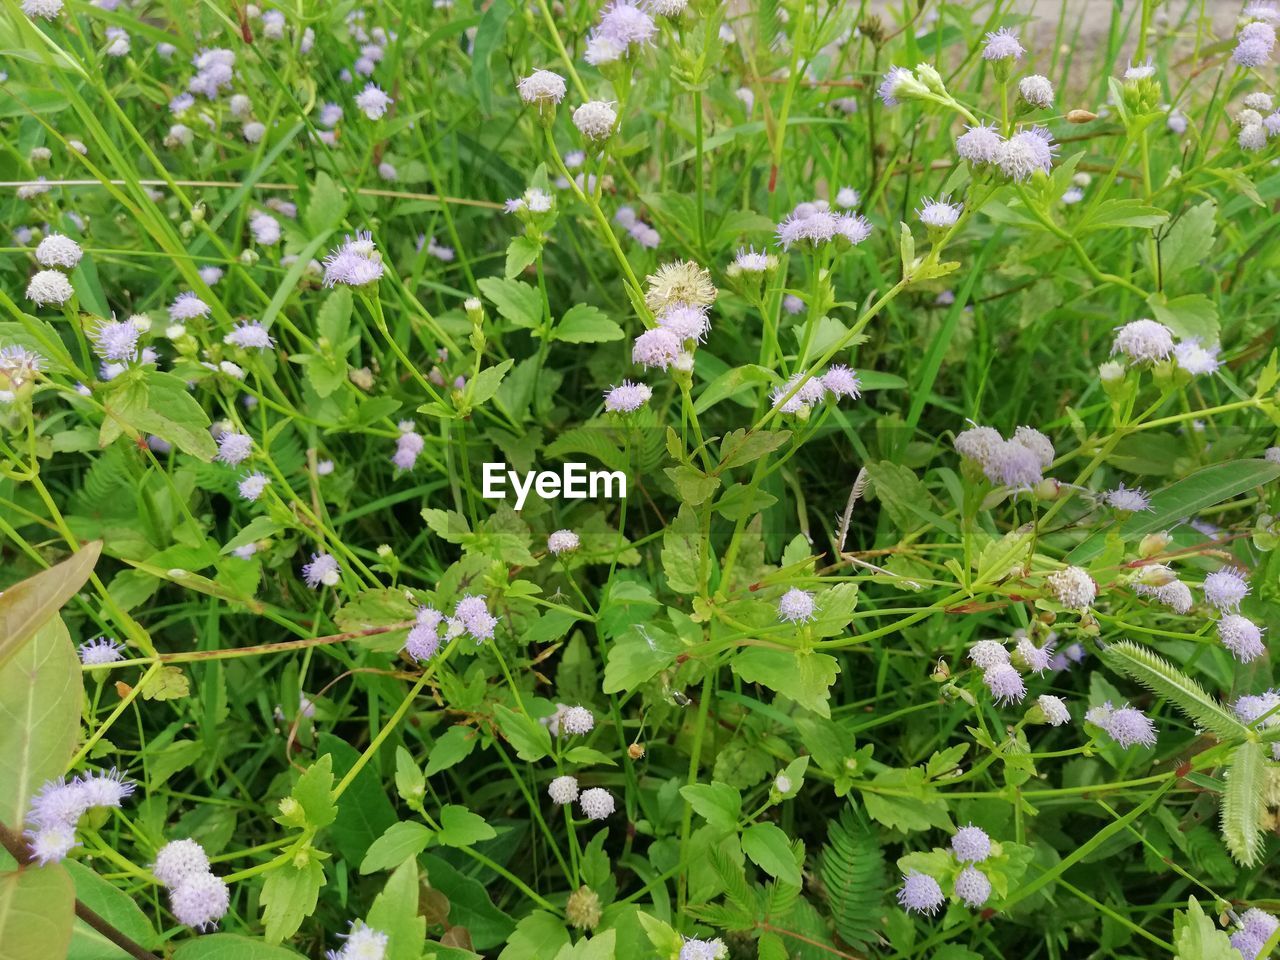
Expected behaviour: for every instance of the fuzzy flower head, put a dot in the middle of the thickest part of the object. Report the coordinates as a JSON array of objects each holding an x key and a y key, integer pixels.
[
  {"x": 200, "y": 901},
  {"x": 749, "y": 261},
  {"x": 563, "y": 790},
  {"x": 1054, "y": 710},
  {"x": 1128, "y": 726},
  {"x": 249, "y": 335},
  {"x": 1012, "y": 464},
  {"x": 658, "y": 348},
  {"x": 796, "y": 606},
  {"x": 56, "y": 250},
  {"x": 797, "y": 394},
  {"x": 19, "y": 365},
  {"x": 116, "y": 340},
  {"x": 187, "y": 306},
  {"x": 179, "y": 859},
  {"x": 1036, "y": 91},
  {"x": 252, "y": 485},
  {"x": 939, "y": 214},
  {"x": 971, "y": 844},
  {"x": 988, "y": 653},
  {"x": 542, "y": 88},
  {"x": 1005, "y": 683},
  {"x": 627, "y": 397},
  {"x": 1196, "y": 359},
  {"x": 1127, "y": 499},
  {"x": 685, "y": 321},
  {"x": 563, "y": 541},
  {"x": 1072, "y": 587},
  {"x": 373, "y": 101},
  {"x": 1037, "y": 659},
  {"x": 596, "y": 803},
  {"x": 356, "y": 262},
  {"x": 423, "y": 639},
  {"x": 58, "y": 803},
  {"x": 1225, "y": 588},
  {"x": 626, "y": 24},
  {"x": 704, "y": 950},
  {"x": 44, "y": 9},
  {"x": 577, "y": 721},
  {"x": 99, "y": 651},
  {"x": 49, "y": 287},
  {"x": 681, "y": 281},
  {"x": 362, "y": 943},
  {"x": 234, "y": 448},
  {"x": 980, "y": 145},
  {"x": 1241, "y": 636},
  {"x": 104, "y": 789},
  {"x": 1002, "y": 44},
  {"x": 595, "y": 119},
  {"x": 321, "y": 570},
  {"x": 1143, "y": 341},
  {"x": 900, "y": 84},
  {"x": 52, "y": 844},
  {"x": 920, "y": 893},
  {"x": 840, "y": 381},
  {"x": 978, "y": 443},
  {"x": 1025, "y": 153},
  {"x": 973, "y": 887}
]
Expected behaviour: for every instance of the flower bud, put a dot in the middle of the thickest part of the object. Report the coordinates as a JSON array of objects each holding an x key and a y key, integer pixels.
[{"x": 1154, "y": 543}]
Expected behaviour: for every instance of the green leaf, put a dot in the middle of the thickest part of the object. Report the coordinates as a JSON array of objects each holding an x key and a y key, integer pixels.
[
  {"x": 804, "y": 676},
  {"x": 1121, "y": 213},
  {"x": 692, "y": 485},
  {"x": 459, "y": 827},
  {"x": 395, "y": 913},
  {"x": 1188, "y": 316},
  {"x": 230, "y": 946},
  {"x": 364, "y": 813},
  {"x": 489, "y": 36},
  {"x": 682, "y": 552},
  {"x": 259, "y": 528},
  {"x": 40, "y": 694},
  {"x": 1242, "y": 802},
  {"x": 521, "y": 252},
  {"x": 531, "y": 740},
  {"x": 1196, "y": 937},
  {"x": 638, "y": 655},
  {"x": 112, "y": 905},
  {"x": 451, "y": 748},
  {"x": 769, "y": 849},
  {"x": 516, "y": 301},
  {"x": 537, "y": 935},
  {"x": 587, "y": 324},
  {"x": 28, "y": 605},
  {"x": 411, "y": 783},
  {"x": 1189, "y": 241},
  {"x": 717, "y": 803},
  {"x": 1184, "y": 498},
  {"x": 853, "y": 876},
  {"x": 289, "y": 895},
  {"x": 1166, "y": 680},
  {"x": 742, "y": 447},
  {"x": 400, "y": 842},
  {"x": 314, "y": 792},
  {"x": 327, "y": 206},
  {"x": 37, "y": 909},
  {"x": 485, "y": 384},
  {"x": 469, "y": 904},
  {"x": 159, "y": 403}
]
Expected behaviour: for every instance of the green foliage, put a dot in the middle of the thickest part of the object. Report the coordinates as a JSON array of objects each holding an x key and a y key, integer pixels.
[{"x": 853, "y": 877}]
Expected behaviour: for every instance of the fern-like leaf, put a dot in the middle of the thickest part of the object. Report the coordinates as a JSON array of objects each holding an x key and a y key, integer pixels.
[
  {"x": 853, "y": 872},
  {"x": 1242, "y": 802},
  {"x": 1165, "y": 680}
]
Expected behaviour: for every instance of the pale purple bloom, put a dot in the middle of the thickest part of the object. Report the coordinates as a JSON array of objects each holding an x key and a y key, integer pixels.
[
  {"x": 49, "y": 286},
  {"x": 424, "y": 637},
  {"x": 627, "y": 397},
  {"x": 1127, "y": 499},
  {"x": 1241, "y": 636},
  {"x": 355, "y": 263},
  {"x": 940, "y": 213},
  {"x": 795, "y": 606},
  {"x": 1026, "y": 152},
  {"x": 1127, "y": 725},
  {"x": 252, "y": 485},
  {"x": 1072, "y": 587},
  {"x": 249, "y": 334},
  {"x": 1197, "y": 360},
  {"x": 234, "y": 448},
  {"x": 562, "y": 541},
  {"x": 658, "y": 347},
  {"x": 57, "y": 250},
  {"x": 1036, "y": 658},
  {"x": 686, "y": 321},
  {"x": 542, "y": 87},
  {"x": 408, "y": 446},
  {"x": 373, "y": 101},
  {"x": 981, "y": 144},
  {"x": 200, "y": 901},
  {"x": 265, "y": 228},
  {"x": 1054, "y": 709},
  {"x": 1002, "y": 44},
  {"x": 841, "y": 381},
  {"x": 1225, "y": 588},
  {"x": 1011, "y": 464},
  {"x": 187, "y": 306},
  {"x": 894, "y": 84},
  {"x": 99, "y": 651},
  {"x": 988, "y": 653},
  {"x": 971, "y": 844},
  {"x": 330, "y": 114},
  {"x": 920, "y": 893},
  {"x": 1005, "y": 683},
  {"x": 322, "y": 570},
  {"x": 1143, "y": 341},
  {"x": 116, "y": 340}
]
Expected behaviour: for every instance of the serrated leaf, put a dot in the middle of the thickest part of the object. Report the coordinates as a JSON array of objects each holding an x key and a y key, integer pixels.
[
  {"x": 530, "y": 739},
  {"x": 717, "y": 803},
  {"x": 1165, "y": 680},
  {"x": 289, "y": 895},
  {"x": 459, "y": 827},
  {"x": 400, "y": 842},
  {"x": 583, "y": 323},
  {"x": 516, "y": 301},
  {"x": 395, "y": 913},
  {"x": 1242, "y": 802}
]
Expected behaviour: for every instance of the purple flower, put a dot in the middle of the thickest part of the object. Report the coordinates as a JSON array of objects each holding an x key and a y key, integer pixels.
[
  {"x": 897, "y": 83},
  {"x": 187, "y": 306},
  {"x": 408, "y": 446},
  {"x": 1002, "y": 45},
  {"x": 980, "y": 145},
  {"x": 988, "y": 653},
  {"x": 322, "y": 570},
  {"x": 971, "y": 844},
  {"x": 373, "y": 101},
  {"x": 1241, "y": 636},
  {"x": 658, "y": 347},
  {"x": 1129, "y": 500},
  {"x": 1011, "y": 464},
  {"x": 1143, "y": 341},
  {"x": 234, "y": 448},
  {"x": 355, "y": 263},
  {"x": 1225, "y": 588},
  {"x": 1195, "y": 359},
  {"x": 1026, "y": 152},
  {"x": 1005, "y": 683},
  {"x": 116, "y": 340},
  {"x": 920, "y": 893},
  {"x": 842, "y": 382},
  {"x": 252, "y": 485},
  {"x": 249, "y": 334},
  {"x": 685, "y": 321},
  {"x": 795, "y": 606},
  {"x": 627, "y": 397},
  {"x": 424, "y": 637},
  {"x": 939, "y": 214},
  {"x": 99, "y": 651},
  {"x": 1126, "y": 726},
  {"x": 973, "y": 887}
]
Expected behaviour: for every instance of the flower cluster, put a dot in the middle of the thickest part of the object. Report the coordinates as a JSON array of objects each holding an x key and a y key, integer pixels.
[
  {"x": 197, "y": 897},
  {"x": 1018, "y": 462},
  {"x": 57, "y": 807}
]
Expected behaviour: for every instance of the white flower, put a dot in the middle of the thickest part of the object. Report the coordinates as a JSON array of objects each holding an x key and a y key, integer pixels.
[
  {"x": 563, "y": 790},
  {"x": 596, "y": 803},
  {"x": 1036, "y": 90},
  {"x": 542, "y": 87},
  {"x": 595, "y": 119},
  {"x": 49, "y": 286},
  {"x": 57, "y": 250}
]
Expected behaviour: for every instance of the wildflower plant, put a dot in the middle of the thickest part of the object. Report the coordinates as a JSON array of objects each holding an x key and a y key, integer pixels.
[{"x": 920, "y": 599}]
